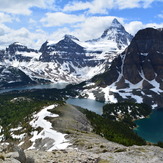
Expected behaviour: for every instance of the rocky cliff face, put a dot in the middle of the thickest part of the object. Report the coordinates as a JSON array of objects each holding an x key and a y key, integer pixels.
[
  {"x": 142, "y": 60},
  {"x": 137, "y": 73},
  {"x": 145, "y": 56},
  {"x": 66, "y": 49}
]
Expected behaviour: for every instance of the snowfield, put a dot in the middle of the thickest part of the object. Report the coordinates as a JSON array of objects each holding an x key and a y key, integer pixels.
[{"x": 57, "y": 140}]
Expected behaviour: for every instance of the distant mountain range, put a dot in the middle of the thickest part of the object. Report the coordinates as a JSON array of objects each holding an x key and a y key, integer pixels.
[
  {"x": 68, "y": 60},
  {"x": 136, "y": 74},
  {"x": 116, "y": 66}
]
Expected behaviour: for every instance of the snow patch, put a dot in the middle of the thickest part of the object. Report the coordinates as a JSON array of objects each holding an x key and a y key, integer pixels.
[
  {"x": 154, "y": 106},
  {"x": 51, "y": 43},
  {"x": 1, "y": 136},
  {"x": 29, "y": 54},
  {"x": 156, "y": 85},
  {"x": 0, "y": 129},
  {"x": 91, "y": 96},
  {"x": 21, "y": 143},
  {"x": 138, "y": 98},
  {"x": 59, "y": 141},
  {"x": 144, "y": 54},
  {"x": 109, "y": 97},
  {"x": 19, "y": 137},
  {"x": 15, "y": 129}
]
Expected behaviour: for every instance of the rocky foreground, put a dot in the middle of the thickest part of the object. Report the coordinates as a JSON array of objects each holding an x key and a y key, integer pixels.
[
  {"x": 86, "y": 147},
  {"x": 135, "y": 154}
]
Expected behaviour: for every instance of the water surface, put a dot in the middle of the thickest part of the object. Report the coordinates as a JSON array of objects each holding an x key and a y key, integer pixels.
[
  {"x": 89, "y": 104},
  {"x": 151, "y": 128},
  {"x": 39, "y": 86}
]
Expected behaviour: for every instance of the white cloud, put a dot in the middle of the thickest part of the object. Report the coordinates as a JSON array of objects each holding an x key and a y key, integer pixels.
[
  {"x": 5, "y": 18},
  {"x": 93, "y": 27},
  {"x": 134, "y": 26},
  {"x": 23, "y": 6},
  {"x": 124, "y": 4},
  {"x": 74, "y": 6},
  {"x": 59, "y": 19},
  {"x": 22, "y": 35},
  {"x": 88, "y": 28},
  {"x": 102, "y": 6},
  {"x": 82, "y": 27},
  {"x": 154, "y": 25},
  {"x": 59, "y": 34},
  {"x": 4, "y": 29},
  {"x": 95, "y": 6}
]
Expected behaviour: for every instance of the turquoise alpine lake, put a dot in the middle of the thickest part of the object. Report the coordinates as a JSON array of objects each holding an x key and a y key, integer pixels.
[
  {"x": 151, "y": 128},
  {"x": 89, "y": 104}
]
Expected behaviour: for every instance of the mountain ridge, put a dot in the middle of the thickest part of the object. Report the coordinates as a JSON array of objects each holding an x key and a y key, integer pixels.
[{"x": 68, "y": 60}]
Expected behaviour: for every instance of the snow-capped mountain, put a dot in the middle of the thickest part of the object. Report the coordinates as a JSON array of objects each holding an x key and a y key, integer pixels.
[
  {"x": 136, "y": 74},
  {"x": 117, "y": 33},
  {"x": 115, "y": 37},
  {"x": 66, "y": 49},
  {"x": 68, "y": 60},
  {"x": 19, "y": 52}
]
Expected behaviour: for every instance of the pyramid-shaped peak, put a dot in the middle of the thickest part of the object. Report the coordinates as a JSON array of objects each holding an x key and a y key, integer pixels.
[
  {"x": 116, "y": 23},
  {"x": 117, "y": 33},
  {"x": 113, "y": 29}
]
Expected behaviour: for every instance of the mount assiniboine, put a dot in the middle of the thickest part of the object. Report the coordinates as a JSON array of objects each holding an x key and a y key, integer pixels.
[
  {"x": 68, "y": 60},
  {"x": 136, "y": 74}
]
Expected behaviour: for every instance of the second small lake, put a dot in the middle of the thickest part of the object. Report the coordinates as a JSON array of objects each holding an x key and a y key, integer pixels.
[
  {"x": 151, "y": 128},
  {"x": 89, "y": 104}
]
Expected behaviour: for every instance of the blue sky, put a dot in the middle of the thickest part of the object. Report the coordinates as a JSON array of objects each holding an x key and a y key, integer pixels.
[{"x": 32, "y": 22}]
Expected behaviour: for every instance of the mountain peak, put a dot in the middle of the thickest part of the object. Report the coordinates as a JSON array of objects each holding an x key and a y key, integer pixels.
[
  {"x": 71, "y": 37},
  {"x": 116, "y": 33},
  {"x": 113, "y": 29},
  {"x": 116, "y": 24},
  {"x": 16, "y": 44},
  {"x": 18, "y": 47}
]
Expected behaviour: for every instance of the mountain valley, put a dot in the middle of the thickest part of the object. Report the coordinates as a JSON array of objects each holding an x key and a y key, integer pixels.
[{"x": 124, "y": 72}]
